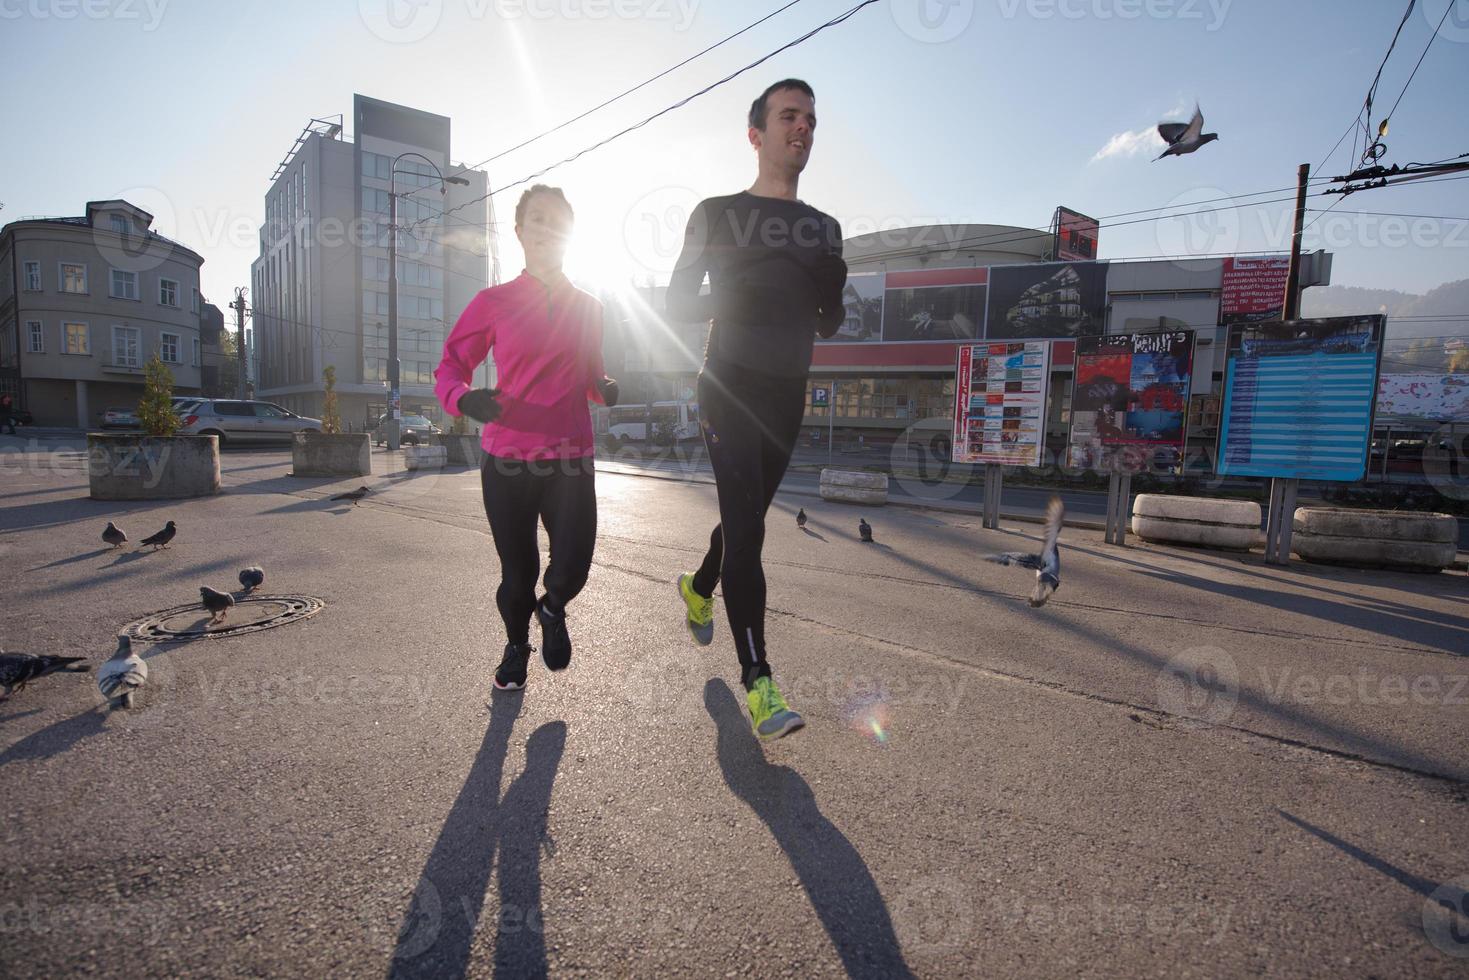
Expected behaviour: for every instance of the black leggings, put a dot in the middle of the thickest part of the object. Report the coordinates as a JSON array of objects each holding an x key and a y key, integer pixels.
[
  {"x": 750, "y": 424},
  {"x": 562, "y": 494}
]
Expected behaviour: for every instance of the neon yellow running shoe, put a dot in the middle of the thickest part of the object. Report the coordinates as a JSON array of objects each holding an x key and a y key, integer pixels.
[
  {"x": 700, "y": 619},
  {"x": 770, "y": 716}
]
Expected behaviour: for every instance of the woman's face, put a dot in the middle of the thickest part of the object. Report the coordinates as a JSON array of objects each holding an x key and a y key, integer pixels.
[{"x": 544, "y": 230}]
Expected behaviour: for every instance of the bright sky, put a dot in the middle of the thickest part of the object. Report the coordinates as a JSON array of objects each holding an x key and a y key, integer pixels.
[{"x": 991, "y": 111}]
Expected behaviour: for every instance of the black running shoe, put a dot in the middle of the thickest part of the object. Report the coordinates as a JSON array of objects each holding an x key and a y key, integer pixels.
[
  {"x": 510, "y": 675},
  {"x": 555, "y": 641}
]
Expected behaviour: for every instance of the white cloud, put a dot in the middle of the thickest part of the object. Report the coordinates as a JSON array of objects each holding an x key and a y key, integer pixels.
[{"x": 1131, "y": 144}]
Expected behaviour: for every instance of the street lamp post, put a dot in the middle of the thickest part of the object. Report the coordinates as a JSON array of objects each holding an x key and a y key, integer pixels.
[{"x": 395, "y": 407}]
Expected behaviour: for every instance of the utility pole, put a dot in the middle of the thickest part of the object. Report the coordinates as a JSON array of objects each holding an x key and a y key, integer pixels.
[
  {"x": 394, "y": 411},
  {"x": 239, "y": 307},
  {"x": 1292, "y": 305},
  {"x": 1282, "y": 509}
]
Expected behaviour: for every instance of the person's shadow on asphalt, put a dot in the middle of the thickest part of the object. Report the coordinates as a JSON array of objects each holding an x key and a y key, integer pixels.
[
  {"x": 835, "y": 877},
  {"x": 437, "y": 933}
]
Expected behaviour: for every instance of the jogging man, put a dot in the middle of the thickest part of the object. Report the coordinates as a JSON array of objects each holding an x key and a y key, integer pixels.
[{"x": 776, "y": 276}]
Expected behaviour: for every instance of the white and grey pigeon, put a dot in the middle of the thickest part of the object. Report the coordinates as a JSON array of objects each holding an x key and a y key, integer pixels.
[
  {"x": 218, "y": 603},
  {"x": 1184, "y": 137},
  {"x": 252, "y": 578},
  {"x": 114, "y": 535},
  {"x": 1047, "y": 562},
  {"x": 122, "y": 674},
  {"x": 19, "y": 669}
]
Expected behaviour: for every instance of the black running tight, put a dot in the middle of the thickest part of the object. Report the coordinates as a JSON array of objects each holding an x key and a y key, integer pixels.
[
  {"x": 560, "y": 493},
  {"x": 750, "y": 424}
]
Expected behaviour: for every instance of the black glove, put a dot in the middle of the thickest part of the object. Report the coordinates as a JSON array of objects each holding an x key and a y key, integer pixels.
[
  {"x": 608, "y": 388},
  {"x": 829, "y": 276},
  {"x": 480, "y": 405}
]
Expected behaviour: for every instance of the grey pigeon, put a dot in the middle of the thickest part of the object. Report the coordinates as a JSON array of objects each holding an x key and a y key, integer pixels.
[
  {"x": 864, "y": 530},
  {"x": 1047, "y": 562},
  {"x": 19, "y": 669},
  {"x": 218, "y": 603},
  {"x": 122, "y": 674},
  {"x": 252, "y": 578},
  {"x": 114, "y": 535},
  {"x": 353, "y": 495},
  {"x": 162, "y": 538},
  {"x": 801, "y": 517},
  {"x": 1184, "y": 137}
]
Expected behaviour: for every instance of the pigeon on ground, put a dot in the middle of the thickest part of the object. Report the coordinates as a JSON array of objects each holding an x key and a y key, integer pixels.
[
  {"x": 353, "y": 495},
  {"x": 251, "y": 578},
  {"x": 218, "y": 603},
  {"x": 122, "y": 674},
  {"x": 19, "y": 669},
  {"x": 162, "y": 538},
  {"x": 114, "y": 535},
  {"x": 801, "y": 517},
  {"x": 1047, "y": 563},
  {"x": 1184, "y": 137},
  {"x": 864, "y": 530}
]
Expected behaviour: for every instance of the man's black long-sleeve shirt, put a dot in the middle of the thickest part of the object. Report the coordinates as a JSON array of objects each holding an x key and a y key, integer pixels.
[{"x": 759, "y": 254}]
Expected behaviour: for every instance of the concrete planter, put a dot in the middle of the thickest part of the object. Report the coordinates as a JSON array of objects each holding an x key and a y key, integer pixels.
[
  {"x": 133, "y": 466},
  {"x": 1403, "y": 540},
  {"x": 425, "y": 457},
  {"x": 461, "y": 450},
  {"x": 1233, "y": 525},
  {"x": 331, "y": 454},
  {"x": 854, "y": 487}
]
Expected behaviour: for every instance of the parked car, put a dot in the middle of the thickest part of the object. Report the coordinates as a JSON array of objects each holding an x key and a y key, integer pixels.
[
  {"x": 416, "y": 430},
  {"x": 119, "y": 418},
  {"x": 238, "y": 422}
]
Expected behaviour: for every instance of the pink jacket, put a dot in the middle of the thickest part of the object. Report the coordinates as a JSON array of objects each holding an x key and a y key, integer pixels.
[{"x": 547, "y": 342}]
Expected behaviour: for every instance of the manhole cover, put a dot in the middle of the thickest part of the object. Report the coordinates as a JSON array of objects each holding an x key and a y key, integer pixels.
[{"x": 250, "y": 614}]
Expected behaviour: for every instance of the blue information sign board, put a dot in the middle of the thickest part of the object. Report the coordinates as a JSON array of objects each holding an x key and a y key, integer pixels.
[{"x": 1298, "y": 398}]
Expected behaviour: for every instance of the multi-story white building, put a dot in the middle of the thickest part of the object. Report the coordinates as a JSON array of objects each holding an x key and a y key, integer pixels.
[
  {"x": 319, "y": 290},
  {"x": 85, "y": 302}
]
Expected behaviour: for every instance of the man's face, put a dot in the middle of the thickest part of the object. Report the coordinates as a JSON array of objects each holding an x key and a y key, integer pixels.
[
  {"x": 545, "y": 229},
  {"x": 790, "y": 128}
]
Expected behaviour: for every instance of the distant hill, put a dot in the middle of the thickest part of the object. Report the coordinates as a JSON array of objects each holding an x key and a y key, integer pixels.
[{"x": 1448, "y": 305}]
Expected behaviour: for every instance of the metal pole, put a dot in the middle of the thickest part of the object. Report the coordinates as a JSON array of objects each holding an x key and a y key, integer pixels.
[
  {"x": 239, "y": 305},
  {"x": 1283, "y": 490},
  {"x": 831, "y": 415},
  {"x": 394, "y": 430}
]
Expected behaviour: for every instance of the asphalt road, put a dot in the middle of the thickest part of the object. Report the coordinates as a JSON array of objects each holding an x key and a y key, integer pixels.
[{"x": 1186, "y": 764}]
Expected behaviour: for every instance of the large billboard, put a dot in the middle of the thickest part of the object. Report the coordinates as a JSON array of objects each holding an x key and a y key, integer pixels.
[
  {"x": 1076, "y": 236},
  {"x": 1000, "y": 402},
  {"x": 1298, "y": 398},
  {"x": 936, "y": 304},
  {"x": 863, "y": 298},
  {"x": 1253, "y": 289},
  {"x": 1130, "y": 390},
  {"x": 1047, "y": 299},
  {"x": 1430, "y": 397}
]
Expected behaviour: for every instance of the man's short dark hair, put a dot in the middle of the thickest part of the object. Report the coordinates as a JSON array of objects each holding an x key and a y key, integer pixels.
[
  {"x": 532, "y": 191},
  {"x": 760, "y": 107}
]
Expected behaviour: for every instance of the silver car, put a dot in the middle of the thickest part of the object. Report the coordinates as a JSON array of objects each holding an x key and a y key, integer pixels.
[{"x": 244, "y": 423}]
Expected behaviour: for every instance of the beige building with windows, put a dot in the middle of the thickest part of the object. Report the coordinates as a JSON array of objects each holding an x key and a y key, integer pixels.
[{"x": 85, "y": 302}]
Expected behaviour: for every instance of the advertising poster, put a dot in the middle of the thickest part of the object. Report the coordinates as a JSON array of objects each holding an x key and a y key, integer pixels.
[
  {"x": 1298, "y": 398},
  {"x": 1076, "y": 236},
  {"x": 1047, "y": 299},
  {"x": 1253, "y": 289},
  {"x": 1130, "y": 390},
  {"x": 863, "y": 298},
  {"x": 1000, "y": 402},
  {"x": 1429, "y": 397},
  {"x": 938, "y": 304}
]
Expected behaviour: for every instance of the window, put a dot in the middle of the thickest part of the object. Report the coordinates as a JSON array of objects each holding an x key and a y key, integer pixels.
[
  {"x": 77, "y": 341},
  {"x": 119, "y": 224},
  {"x": 124, "y": 284},
  {"x": 265, "y": 410},
  {"x": 73, "y": 277},
  {"x": 33, "y": 276},
  {"x": 125, "y": 342},
  {"x": 234, "y": 408},
  {"x": 35, "y": 337},
  {"x": 196, "y": 352},
  {"x": 168, "y": 347},
  {"x": 168, "y": 292},
  {"x": 194, "y": 299}
]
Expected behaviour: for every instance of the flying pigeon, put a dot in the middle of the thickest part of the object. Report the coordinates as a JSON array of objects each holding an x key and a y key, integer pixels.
[
  {"x": 162, "y": 538},
  {"x": 1184, "y": 137},
  {"x": 122, "y": 674},
  {"x": 114, "y": 535},
  {"x": 218, "y": 603},
  {"x": 19, "y": 669},
  {"x": 1047, "y": 563},
  {"x": 353, "y": 495},
  {"x": 252, "y": 577},
  {"x": 864, "y": 530},
  {"x": 801, "y": 517}
]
